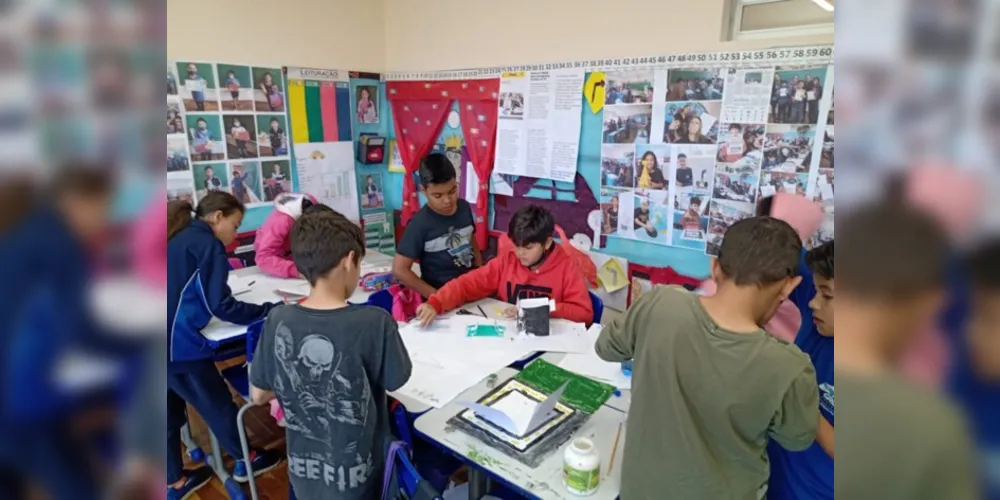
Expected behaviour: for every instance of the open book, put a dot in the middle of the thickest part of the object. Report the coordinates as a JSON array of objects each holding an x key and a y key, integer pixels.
[{"x": 516, "y": 413}]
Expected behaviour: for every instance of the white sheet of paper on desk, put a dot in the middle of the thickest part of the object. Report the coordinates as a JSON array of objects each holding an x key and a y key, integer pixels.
[
  {"x": 564, "y": 336},
  {"x": 517, "y": 413},
  {"x": 240, "y": 284},
  {"x": 537, "y": 302}
]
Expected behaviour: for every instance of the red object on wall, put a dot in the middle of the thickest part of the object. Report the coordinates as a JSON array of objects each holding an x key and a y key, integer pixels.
[{"x": 419, "y": 111}]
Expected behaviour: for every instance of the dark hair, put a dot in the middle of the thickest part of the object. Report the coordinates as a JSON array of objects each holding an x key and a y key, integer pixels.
[
  {"x": 891, "y": 251},
  {"x": 820, "y": 260},
  {"x": 734, "y": 126},
  {"x": 531, "y": 224},
  {"x": 682, "y": 155},
  {"x": 760, "y": 251},
  {"x": 318, "y": 208},
  {"x": 436, "y": 168},
  {"x": 306, "y": 203},
  {"x": 201, "y": 120},
  {"x": 695, "y": 201},
  {"x": 321, "y": 240},
  {"x": 764, "y": 206},
  {"x": 179, "y": 213},
  {"x": 983, "y": 268},
  {"x": 90, "y": 181},
  {"x": 656, "y": 163},
  {"x": 209, "y": 167},
  {"x": 275, "y": 120}
]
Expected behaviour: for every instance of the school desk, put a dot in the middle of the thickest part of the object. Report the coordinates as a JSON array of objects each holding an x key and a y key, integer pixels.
[
  {"x": 543, "y": 482},
  {"x": 620, "y": 402}
]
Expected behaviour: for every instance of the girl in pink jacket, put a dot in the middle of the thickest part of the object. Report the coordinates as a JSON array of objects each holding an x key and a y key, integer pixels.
[{"x": 272, "y": 245}]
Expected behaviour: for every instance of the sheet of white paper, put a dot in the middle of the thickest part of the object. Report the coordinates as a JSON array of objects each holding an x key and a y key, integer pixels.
[
  {"x": 326, "y": 170},
  {"x": 218, "y": 330},
  {"x": 544, "y": 409},
  {"x": 240, "y": 284},
  {"x": 589, "y": 365},
  {"x": 498, "y": 415},
  {"x": 767, "y": 190},
  {"x": 826, "y": 191},
  {"x": 499, "y": 185},
  {"x": 471, "y": 183}
]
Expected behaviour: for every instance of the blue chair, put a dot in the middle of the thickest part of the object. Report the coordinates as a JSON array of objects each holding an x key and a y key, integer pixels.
[
  {"x": 381, "y": 298},
  {"x": 239, "y": 377},
  {"x": 410, "y": 483},
  {"x": 598, "y": 306}
]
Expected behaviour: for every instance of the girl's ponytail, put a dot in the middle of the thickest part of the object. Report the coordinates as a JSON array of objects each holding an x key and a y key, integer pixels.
[{"x": 178, "y": 216}]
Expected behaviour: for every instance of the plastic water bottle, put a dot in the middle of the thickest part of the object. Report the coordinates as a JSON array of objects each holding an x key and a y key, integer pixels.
[{"x": 627, "y": 368}]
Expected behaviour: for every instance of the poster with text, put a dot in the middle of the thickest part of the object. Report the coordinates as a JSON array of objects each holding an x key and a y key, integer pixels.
[
  {"x": 326, "y": 171},
  {"x": 379, "y": 233}
]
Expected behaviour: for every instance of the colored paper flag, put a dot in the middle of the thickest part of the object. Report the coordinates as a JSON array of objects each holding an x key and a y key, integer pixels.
[{"x": 320, "y": 111}]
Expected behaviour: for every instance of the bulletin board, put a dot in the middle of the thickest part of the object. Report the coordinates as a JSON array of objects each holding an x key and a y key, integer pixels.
[
  {"x": 227, "y": 130},
  {"x": 755, "y": 139}
]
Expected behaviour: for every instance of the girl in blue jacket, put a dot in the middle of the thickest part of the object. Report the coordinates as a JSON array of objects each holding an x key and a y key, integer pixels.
[{"x": 197, "y": 271}]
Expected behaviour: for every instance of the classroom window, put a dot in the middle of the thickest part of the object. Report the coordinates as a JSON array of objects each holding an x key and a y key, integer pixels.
[{"x": 755, "y": 19}]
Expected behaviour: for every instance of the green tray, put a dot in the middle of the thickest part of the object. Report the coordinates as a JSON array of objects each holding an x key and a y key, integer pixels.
[{"x": 584, "y": 394}]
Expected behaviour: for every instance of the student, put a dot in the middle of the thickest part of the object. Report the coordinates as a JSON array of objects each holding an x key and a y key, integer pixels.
[
  {"x": 240, "y": 190},
  {"x": 197, "y": 270},
  {"x": 330, "y": 365},
  {"x": 233, "y": 84},
  {"x": 651, "y": 175},
  {"x": 174, "y": 123},
  {"x": 537, "y": 267},
  {"x": 705, "y": 365},
  {"x": 212, "y": 183},
  {"x": 272, "y": 247},
  {"x": 694, "y": 134},
  {"x": 240, "y": 134},
  {"x": 975, "y": 379},
  {"x": 734, "y": 146},
  {"x": 809, "y": 473},
  {"x": 911, "y": 443},
  {"x": 799, "y": 103},
  {"x": 440, "y": 235},
  {"x": 198, "y": 96},
  {"x": 684, "y": 174},
  {"x": 276, "y": 136}
]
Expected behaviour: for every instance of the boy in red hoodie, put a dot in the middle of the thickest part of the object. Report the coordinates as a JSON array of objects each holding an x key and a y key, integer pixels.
[{"x": 537, "y": 267}]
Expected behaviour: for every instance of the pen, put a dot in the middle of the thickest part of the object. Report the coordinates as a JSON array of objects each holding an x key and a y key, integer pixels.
[{"x": 482, "y": 311}]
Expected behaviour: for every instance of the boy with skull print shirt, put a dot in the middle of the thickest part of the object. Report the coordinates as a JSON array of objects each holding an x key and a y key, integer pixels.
[{"x": 330, "y": 365}]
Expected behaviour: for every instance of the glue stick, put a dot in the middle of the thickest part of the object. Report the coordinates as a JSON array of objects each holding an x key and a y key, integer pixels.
[{"x": 581, "y": 467}]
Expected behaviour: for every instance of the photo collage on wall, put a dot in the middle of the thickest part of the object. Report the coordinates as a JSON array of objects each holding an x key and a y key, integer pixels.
[
  {"x": 688, "y": 152},
  {"x": 226, "y": 131}
]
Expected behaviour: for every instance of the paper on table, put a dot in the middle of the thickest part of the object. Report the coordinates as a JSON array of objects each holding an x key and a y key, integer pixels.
[
  {"x": 240, "y": 284},
  {"x": 517, "y": 413},
  {"x": 587, "y": 363}
]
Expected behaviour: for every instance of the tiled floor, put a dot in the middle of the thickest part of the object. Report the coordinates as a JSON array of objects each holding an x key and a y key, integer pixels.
[{"x": 263, "y": 432}]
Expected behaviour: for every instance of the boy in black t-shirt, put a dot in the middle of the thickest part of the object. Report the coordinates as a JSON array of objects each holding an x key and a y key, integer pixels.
[{"x": 440, "y": 235}]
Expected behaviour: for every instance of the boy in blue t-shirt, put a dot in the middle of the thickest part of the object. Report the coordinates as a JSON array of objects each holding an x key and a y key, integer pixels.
[{"x": 808, "y": 474}]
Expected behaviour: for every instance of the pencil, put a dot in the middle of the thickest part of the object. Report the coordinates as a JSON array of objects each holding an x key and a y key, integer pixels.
[
  {"x": 481, "y": 311},
  {"x": 614, "y": 451}
]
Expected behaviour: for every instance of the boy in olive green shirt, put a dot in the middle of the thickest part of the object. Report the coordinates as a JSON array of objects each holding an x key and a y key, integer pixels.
[{"x": 709, "y": 386}]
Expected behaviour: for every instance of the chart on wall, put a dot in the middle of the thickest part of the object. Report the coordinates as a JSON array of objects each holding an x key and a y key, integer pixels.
[
  {"x": 226, "y": 131},
  {"x": 685, "y": 153},
  {"x": 319, "y": 109}
]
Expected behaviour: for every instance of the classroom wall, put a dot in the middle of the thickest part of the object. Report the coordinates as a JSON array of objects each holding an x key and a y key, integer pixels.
[
  {"x": 454, "y": 34},
  {"x": 327, "y": 34}
]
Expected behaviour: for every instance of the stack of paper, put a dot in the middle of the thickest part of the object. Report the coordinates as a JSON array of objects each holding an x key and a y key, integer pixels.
[{"x": 517, "y": 413}]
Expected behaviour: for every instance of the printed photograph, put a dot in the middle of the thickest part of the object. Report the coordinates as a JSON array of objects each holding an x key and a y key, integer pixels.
[
  {"x": 772, "y": 183},
  {"x": 371, "y": 196},
  {"x": 180, "y": 189},
  {"x": 198, "y": 90},
  {"x": 277, "y": 176},
  {"x": 366, "y": 97},
  {"x": 746, "y": 165},
  {"x": 627, "y": 123},
  {"x": 210, "y": 177},
  {"x": 628, "y": 87},
  {"x": 826, "y": 159},
  {"x": 695, "y": 85},
  {"x": 614, "y": 203},
  {"x": 788, "y": 148},
  {"x": 171, "y": 79},
  {"x": 721, "y": 215},
  {"x": 236, "y": 87},
  {"x": 511, "y": 105},
  {"x": 692, "y": 122},
  {"x": 796, "y": 94},
  {"x": 651, "y": 216},
  {"x": 241, "y": 136},
  {"x": 690, "y": 217},
  {"x": 244, "y": 181},
  {"x": 268, "y": 94},
  {"x": 177, "y": 155},
  {"x": 205, "y": 137},
  {"x": 652, "y": 167},
  {"x": 824, "y": 233},
  {"x": 740, "y": 139},
  {"x": 694, "y": 172},
  {"x": 823, "y": 190},
  {"x": 272, "y": 140},
  {"x": 829, "y": 114},
  {"x": 735, "y": 187},
  {"x": 175, "y": 124},
  {"x": 617, "y": 165}
]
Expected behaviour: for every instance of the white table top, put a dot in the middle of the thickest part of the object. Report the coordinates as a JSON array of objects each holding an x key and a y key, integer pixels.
[
  {"x": 544, "y": 481},
  {"x": 620, "y": 403}
]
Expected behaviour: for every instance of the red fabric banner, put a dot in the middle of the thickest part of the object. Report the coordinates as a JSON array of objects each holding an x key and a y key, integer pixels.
[
  {"x": 417, "y": 124},
  {"x": 463, "y": 90},
  {"x": 479, "y": 125}
]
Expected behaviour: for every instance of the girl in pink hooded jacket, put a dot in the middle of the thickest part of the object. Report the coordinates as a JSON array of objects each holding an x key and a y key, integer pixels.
[{"x": 272, "y": 245}]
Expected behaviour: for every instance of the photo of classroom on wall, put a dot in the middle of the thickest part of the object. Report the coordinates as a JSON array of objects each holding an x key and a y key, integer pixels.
[
  {"x": 205, "y": 137},
  {"x": 788, "y": 148},
  {"x": 740, "y": 139},
  {"x": 796, "y": 94},
  {"x": 175, "y": 124},
  {"x": 236, "y": 87},
  {"x": 695, "y": 84},
  {"x": 277, "y": 179},
  {"x": 177, "y": 155},
  {"x": 198, "y": 90},
  {"x": 628, "y": 87},
  {"x": 735, "y": 187},
  {"x": 692, "y": 122},
  {"x": 244, "y": 181},
  {"x": 690, "y": 222},
  {"x": 651, "y": 215},
  {"x": 721, "y": 215},
  {"x": 617, "y": 164},
  {"x": 241, "y": 136},
  {"x": 272, "y": 138},
  {"x": 772, "y": 183},
  {"x": 268, "y": 94},
  {"x": 179, "y": 188},
  {"x": 627, "y": 123}
]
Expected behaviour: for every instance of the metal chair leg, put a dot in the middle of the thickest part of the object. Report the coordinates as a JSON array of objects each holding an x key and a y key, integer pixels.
[{"x": 245, "y": 444}]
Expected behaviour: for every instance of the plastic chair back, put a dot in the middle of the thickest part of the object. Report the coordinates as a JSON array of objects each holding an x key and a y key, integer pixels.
[{"x": 598, "y": 306}]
